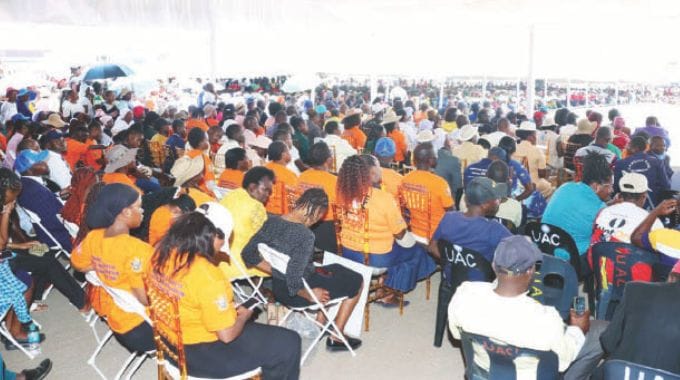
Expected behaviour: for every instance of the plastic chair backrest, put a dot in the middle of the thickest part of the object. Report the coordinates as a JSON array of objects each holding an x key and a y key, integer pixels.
[
  {"x": 167, "y": 330},
  {"x": 569, "y": 152},
  {"x": 463, "y": 261},
  {"x": 502, "y": 358},
  {"x": 623, "y": 370},
  {"x": 416, "y": 204},
  {"x": 555, "y": 284},
  {"x": 277, "y": 260},
  {"x": 354, "y": 219},
  {"x": 126, "y": 301},
  {"x": 623, "y": 257},
  {"x": 507, "y": 223},
  {"x": 548, "y": 238}
]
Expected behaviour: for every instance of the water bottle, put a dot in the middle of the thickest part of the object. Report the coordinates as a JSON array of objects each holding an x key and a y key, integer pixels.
[{"x": 33, "y": 339}]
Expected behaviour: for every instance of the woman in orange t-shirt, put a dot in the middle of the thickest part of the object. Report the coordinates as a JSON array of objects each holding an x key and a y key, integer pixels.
[
  {"x": 219, "y": 339},
  {"x": 358, "y": 189},
  {"x": 118, "y": 260},
  {"x": 198, "y": 141}
]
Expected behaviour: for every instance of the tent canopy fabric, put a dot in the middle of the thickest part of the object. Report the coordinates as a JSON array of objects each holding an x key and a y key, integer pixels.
[{"x": 605, "y": 40}]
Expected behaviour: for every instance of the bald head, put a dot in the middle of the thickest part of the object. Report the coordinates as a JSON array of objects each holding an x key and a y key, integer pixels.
[{"x": 424, "y": 156}]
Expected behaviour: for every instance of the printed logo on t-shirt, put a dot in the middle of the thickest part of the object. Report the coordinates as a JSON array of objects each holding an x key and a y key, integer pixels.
[
  {"x": 221, "y": 303},
  {"x": 136, "y": 265}
]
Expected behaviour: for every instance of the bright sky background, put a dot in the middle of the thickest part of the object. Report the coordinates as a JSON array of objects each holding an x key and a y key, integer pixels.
[{"x": 603, "y": 40}]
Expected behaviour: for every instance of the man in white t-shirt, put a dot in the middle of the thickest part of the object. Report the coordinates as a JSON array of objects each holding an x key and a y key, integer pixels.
[
  {"x": 9, "y": 106},
  {"x": 617, "y": 222},
  {"x": 72, "y": 105}
]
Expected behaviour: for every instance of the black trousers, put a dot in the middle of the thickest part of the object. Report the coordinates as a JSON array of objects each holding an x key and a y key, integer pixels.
[
  {"x": 275, "y": 349},
  {"x": 140, "y": 339},
  {"x": 46, "y": 270},
  {"x": 336, "y": 279}
]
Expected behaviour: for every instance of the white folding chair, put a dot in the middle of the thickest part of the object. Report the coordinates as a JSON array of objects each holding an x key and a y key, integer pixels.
[
  {"x": 5, "y": 332},
  {"x": 127, "y": 302},
  {"x": 279, "y": 262},
  {"x": 55, "y": 245}
]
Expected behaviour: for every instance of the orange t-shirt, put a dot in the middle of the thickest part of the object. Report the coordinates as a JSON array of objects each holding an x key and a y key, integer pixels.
[
  {"x": 277, "y": 202},
  {"x": 208, "y": 171},
  {"x": 205, "y": 299},
  {"x": 196, "y": 123},
  {"x": 440, "y": 197},
  {"x": 93, "y": 156},
  {"x": 356, "y": 137},
  {"x": 119, "y": 262},
  {"x": 3, "y": 142},
  {"x": 109, "y": 178},
  {"x": 211, "y": 122},
  {"x": 400, "y": 142},
  {"x": 200, "y": 197},
  {"x": 231, "y": 179},
  {"x": 384, "y": 221},
  {"x": 320, "y": 179},
  {"x": 75, "y": 151},
  {"x": 160, "y": 223},
  {"x": 391, "y": 180}
]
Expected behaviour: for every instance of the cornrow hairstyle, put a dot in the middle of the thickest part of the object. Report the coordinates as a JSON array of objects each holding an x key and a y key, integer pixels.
[
  {"x": 312, "y": 201},
  {"x": 354, "y": 181}
]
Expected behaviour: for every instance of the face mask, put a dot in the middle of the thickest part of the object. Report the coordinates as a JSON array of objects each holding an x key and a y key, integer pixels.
[{"x": 661, "y": 156}]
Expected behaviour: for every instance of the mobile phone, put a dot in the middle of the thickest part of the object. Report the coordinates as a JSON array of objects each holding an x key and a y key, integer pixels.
[
  {"x": 250, "y": 303},
  {"x": 580, "y": 305}
]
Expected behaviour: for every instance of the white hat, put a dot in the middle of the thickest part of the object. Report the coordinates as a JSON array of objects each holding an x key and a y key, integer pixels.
[
  {"x": 119, "y": 156},
  {"x": 221, "y": 218},
  {"x": 468, "y": 132},
  {"x": 390, "y": 117},
  {"x": 634, "y": 183},
  {"x": 262, "y": 141},
  {"x": 377, "y": 107},
  {"x": 527, "y": 126},
  {"x": 425, "y": 125},
  {"x": 186, "y": 168},
  {"x": 549, "y": 121},
  {"x": 425, "y": 136}
]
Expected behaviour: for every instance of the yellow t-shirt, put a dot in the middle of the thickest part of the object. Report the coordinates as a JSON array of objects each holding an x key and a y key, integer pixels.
[
  {"x": 249, "y": 215},
  {"x": 119, "y": 262},
  {"x": 205, "y": 299},
  {"x": 384, "y": 221},
  {"x": 278, "y": 196},
  {"x": 391, "y": 180},
  {"x": 535, "y": 159}
]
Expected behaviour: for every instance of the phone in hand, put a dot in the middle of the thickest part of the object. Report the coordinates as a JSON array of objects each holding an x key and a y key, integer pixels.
[
  {"x": 250, "y": 303},
  {"x": 579, "y": 305}
]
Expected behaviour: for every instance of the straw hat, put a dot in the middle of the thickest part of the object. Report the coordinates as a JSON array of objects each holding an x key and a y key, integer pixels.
[
  {"x": 425, "y": 136},
  {"x": 261, "y": 141},
  {"x": 585, "y": 127},
  {"x": 468, "y": 132},
  {"x": 527, "y": 126},
  {"x": 186, "y": 168},
  {"x": 119, "y": 156},
  {"x": 390, "y": 117},
  {"x": 54, "y": 120}
]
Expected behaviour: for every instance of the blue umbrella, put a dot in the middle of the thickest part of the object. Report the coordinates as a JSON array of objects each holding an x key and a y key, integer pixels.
[{"x": 107, "y": 71}]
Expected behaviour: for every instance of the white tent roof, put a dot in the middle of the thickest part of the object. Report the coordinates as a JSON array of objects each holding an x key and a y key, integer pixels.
[{"x": 604, "y": 40}]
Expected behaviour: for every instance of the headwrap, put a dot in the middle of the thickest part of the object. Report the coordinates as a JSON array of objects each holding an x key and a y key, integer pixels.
[{"x": 111, "y": 201}]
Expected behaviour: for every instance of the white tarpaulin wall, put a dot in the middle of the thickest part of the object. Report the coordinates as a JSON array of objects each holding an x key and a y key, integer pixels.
[{"x": 604, "y": 40}]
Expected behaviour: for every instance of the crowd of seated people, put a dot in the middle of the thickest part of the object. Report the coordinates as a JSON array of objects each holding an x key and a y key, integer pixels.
[{"x": 121, "y": 192}]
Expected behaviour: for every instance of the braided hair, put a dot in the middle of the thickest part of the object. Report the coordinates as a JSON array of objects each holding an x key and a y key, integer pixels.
[
  {"x": 312, "y": 201},
  {"x": 354, "y": 181},
  {"x": 8, "y": 181}
]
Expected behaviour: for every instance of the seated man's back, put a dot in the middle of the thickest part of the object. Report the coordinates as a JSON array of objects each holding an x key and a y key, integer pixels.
[{"x": 645, "y": 328}]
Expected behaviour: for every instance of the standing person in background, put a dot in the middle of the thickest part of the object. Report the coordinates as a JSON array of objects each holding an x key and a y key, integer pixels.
[{"x": 653, "y": 128}]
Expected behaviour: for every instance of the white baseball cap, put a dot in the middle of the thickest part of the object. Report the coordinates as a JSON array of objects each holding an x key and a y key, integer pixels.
[{"x": 634, "y": 183}]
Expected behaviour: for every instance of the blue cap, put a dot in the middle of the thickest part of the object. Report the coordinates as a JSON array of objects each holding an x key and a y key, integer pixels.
[
  {"x": 320, "y": 108},
  {"x": 516, "y": 254},
  {"x": 23, "y": 92},
  {"x": 52, "y": 135},
  {"x": 482, "y": 189},
  {"x": 385, "y": 147},
  {"x": 27, "y": 158},
  {"x": 250, "y": 100},
  {"x": 19, "y": 117},
  {"x": 307, "y": 104}
]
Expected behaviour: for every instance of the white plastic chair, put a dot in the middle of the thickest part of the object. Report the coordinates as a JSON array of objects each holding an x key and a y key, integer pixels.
[
  {"x": 5, "y": 332},
  {"x": 127, "y": 302},
  {"x": 279, "y": 262},
  {"x": 175, "y": 374}
]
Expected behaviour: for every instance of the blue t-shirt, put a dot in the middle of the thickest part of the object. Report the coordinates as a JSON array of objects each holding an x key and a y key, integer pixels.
[
  {"x": 476, "y": 233},
  {"x": 175, "y": 141},
  {"x": 478, "y": 169},
  {"x": 647, "y": 165},
  {"x": 519, "y": 175},
  {"x": 573, "y": 208}
]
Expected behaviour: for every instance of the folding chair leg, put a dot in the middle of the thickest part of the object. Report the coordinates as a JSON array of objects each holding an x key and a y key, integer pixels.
[
  {"x": 427, "y": 289},
  {"x": 47, "y": 292},
  {"x": 129, "y": 360},
  {"x": 367, "y": 316},
  {"x": 91, "y": 360},
  {"x": 8, "y": 335},
  {"x": 136, "y": 366}
]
